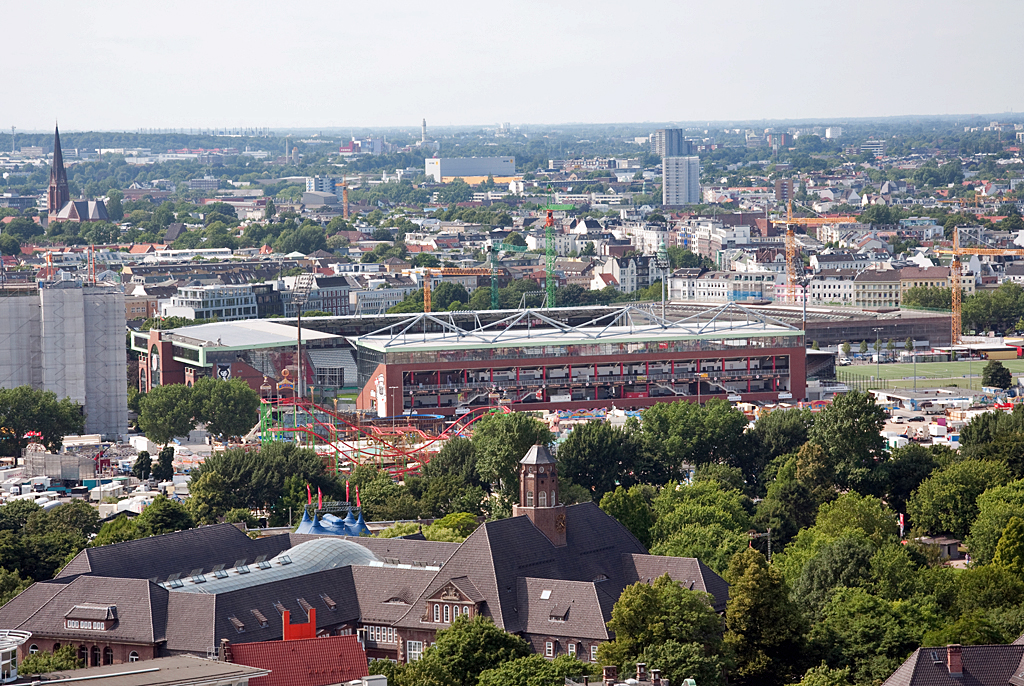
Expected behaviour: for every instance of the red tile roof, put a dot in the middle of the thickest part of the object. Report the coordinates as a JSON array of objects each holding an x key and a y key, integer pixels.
[{"x": 307, "y": 662}]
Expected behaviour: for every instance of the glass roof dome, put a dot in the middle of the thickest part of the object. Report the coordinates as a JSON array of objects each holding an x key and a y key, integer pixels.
[{"x": 305, "y": 558}]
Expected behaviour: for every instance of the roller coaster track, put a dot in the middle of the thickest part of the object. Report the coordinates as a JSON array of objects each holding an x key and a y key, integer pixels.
[{"x": 368, "y": 444}]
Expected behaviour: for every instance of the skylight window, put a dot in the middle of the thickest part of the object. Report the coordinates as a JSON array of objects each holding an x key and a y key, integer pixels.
[
  {"x": 545, "y": 594},
  {"x": 219, "y": 572},
  {"x": 261, "y": 562}
]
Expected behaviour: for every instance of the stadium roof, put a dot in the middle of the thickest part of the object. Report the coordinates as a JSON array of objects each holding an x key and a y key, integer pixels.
[
  {"x": 244, "y": 334},
  {"x": 626, "y": 325}
]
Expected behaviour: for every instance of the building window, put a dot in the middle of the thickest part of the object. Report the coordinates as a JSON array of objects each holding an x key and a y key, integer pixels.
[
  {"x": 108, "y": 656},
  {"x": 413, "y": 650},
  {"x": 572, "y": 649},
  {"x": 33, "y": 649},
  {"x": 134, "y": 657},
  {"x": 549, "y": 649},
  {"x": 455, "y": 611},
  {"x": 83, "y": 653},
  {"x": 437, "y": 613},
  {"x": 529, "y": 498},
  {"x": 542, "y": 499},
  {"x": 447, "y": 616},
  {"x": 553, "y": 502},
  {"x": 593, "y": 653},
  {"x": 95, "y": 656}
]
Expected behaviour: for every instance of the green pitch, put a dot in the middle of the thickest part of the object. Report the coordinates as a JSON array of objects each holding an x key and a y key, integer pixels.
[{"x": 929, "y": 374}]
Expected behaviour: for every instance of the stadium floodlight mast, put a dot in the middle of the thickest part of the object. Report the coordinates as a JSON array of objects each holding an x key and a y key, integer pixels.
[{"x": 662, "y": 262}]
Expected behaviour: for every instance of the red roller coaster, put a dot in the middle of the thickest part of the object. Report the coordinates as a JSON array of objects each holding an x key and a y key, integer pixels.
[{"x": 399, "y": 444}]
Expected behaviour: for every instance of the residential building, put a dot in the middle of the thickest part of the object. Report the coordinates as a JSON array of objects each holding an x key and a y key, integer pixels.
[
  {"x": 680, "y": 177},
  {"x": 630, "y": 273},
  {"x": 224, "y": 303},
  {"x": 877, "y": 288},
  {"x": 141, "y": 307},
  {"x": 876, "y": 148},
  {"x": 324, "y": 184},
  {"x": 447, "y": 168},
  {"x": 833, "y": 132},
  {"x": 928, "y": 277},
  {"x": 840, "y": 260},
  {"x": 783, "y": 190},
  {"x": 952, "y": 665},
  {"x": 832, "y": 286},
  {"x": 68, "y": 337},
  {"x": 671, "y": 143},
  {"x": 377, "y": 293},
  {"x": 720, "y": 287},
  {"x": 1015, "y": 272}
]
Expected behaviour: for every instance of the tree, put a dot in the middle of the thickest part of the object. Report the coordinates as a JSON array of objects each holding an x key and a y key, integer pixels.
[
  {"x": 845, "y": 561},
  {"x": 902, "y": 473},
  {"x": 632, "y": 509},
  {"x": 660, "y": 612},
  {"x": 457, "y": 457},
  {"x": 846, "y": 348},
  {"x": 63, "y": 659},
  {"x": 11, "y": 584},
  {"x": 849, "y": 430},
  {"x": 823, "y": 675},
  {"x": 945, "y": 502},
  {"x": 9, "y": 245},
  {"x": 269, "y": 211},
  {"x": 463, "y": 652},
  {"x": 996, "y": 507},
  {"x": 143, "y": 466},
  {"x": 164, "y": 469},
  {"x": 515, "y": 238},
  {"x": 117, "y": 530},
  {"x": 782, "y": 431},
  {"x": 208, "y": 501},
  {"x": 1010, "y": 549},
  {"x": 534, "y": 670},
  {"x": 863, "y": 347},
  {"x": 996, "y": 375},
  {"x": 241, "y": 515},
  {"x": 24, "y": 410},
  {"x": 765, "y": 628},
  {"x": 689, "y": 433},
  {"x": 589, "y": 250},
  {"x": 163, "y": 516},
  {"x": 500, "y": 441},
  {"x": 166, "y": 412},
  {"x": 228, "y": 408},
  {"x": 908, "y": 344},
  {"x": 970, "y": 629},
  {"x": 597, "y": 456}
]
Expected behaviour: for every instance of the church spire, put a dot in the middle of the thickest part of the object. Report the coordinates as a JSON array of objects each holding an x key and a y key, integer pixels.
[{"x": 58, "y": 194}]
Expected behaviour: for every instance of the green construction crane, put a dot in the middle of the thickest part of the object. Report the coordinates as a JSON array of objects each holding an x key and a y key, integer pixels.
[{"x": 549, "y": 258}]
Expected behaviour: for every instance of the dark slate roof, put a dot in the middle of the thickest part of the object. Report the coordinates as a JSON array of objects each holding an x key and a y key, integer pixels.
[
  {"x": 993, "y": 665},
  {"x": 186, "y": 629},
  {"x": 572, "y": 608},
  {"x": 689, "y": 571},
  {"x": 385, "y": 594},
  {"x": 174, "y": 231},
  {"x": 141, "y": 608},
  {"x": 179, "y": 552},
  {"x": 499, "y": 552},
  {"x": 538, "y": 454}
]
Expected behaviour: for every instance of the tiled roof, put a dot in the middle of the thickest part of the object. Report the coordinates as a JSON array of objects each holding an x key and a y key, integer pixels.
[
  {"x": 305, "y": 662},
  {"x": 179, "y": 552},
  {"x": 498, "y": 553},
  {"x": 141, "y": 608},
  {"x": 561, "y": 608},
  {"x": 690, "y": 572},
  {"x": 385, "y": 594},
  {"x": 991, "y": 665}
]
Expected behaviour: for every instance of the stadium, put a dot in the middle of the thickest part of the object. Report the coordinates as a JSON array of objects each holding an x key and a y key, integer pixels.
[{"x": 629, "y": 358}]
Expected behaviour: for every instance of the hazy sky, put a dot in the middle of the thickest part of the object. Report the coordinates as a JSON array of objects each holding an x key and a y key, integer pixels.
[{"x": 313, "y": 63}]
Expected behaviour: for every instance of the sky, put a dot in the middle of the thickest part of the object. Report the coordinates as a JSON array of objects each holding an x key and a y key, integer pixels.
[{"x": 116, "y": 65}]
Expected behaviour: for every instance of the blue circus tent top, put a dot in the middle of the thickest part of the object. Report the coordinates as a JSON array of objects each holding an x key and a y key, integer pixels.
[
  {"x": 304, "y": 524},
  {"x": 360, "y": 528}
]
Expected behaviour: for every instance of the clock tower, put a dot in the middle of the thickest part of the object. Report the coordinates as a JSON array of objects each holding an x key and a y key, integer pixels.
[{"x": 538, "y": 494}]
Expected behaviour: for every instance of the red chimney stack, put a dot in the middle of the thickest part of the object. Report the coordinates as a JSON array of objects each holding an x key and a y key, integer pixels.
[{"x": 954, "y": 660}]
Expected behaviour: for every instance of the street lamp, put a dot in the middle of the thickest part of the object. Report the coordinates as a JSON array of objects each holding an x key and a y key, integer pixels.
[
  {"x": 391, "y": 406},
  {"x": 662, "y": 262}
]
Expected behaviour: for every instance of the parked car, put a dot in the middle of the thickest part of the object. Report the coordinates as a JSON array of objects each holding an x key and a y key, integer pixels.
[{"x": 917, "y": 419}]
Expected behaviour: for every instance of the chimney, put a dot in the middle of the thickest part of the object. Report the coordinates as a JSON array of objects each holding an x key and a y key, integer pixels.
[
  {"x": 641, "y": 671},
  {"x": 954, "y": 661},
  {"x": 225, "y": 650},
  {"x": 656, "y": 677},
  {"x": 609, "y": 675}
]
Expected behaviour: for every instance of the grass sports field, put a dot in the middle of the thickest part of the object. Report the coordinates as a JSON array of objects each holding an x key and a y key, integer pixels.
[{"x": 929, "y": 374}]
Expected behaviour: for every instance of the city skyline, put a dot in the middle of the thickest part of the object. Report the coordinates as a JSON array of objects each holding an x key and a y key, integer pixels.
[{"x": 236, "y": 64}]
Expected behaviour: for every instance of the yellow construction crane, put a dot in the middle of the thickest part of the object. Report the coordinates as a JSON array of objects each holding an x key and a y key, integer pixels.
[{"x": 956, "y": 323}]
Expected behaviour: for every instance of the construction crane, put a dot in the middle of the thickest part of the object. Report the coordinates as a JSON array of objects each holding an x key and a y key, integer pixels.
[
  {"x": 428, "y": 275},
  {"x": 344, "y": 198},
  {"x": 791, "y": 221},
  {"x": 956, "y": 324},
  {"x": 549, "y": 257}
]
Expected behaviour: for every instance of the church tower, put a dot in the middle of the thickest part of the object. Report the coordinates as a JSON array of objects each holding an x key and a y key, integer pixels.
[
  {"x": 538, "y": 494},
  {"x": 57, "y": 195}
]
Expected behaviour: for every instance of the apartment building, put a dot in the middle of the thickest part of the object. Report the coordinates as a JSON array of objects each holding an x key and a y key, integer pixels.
[
  {"x": 877, "y": 288},
  {"x": 225, "y": 303}
]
